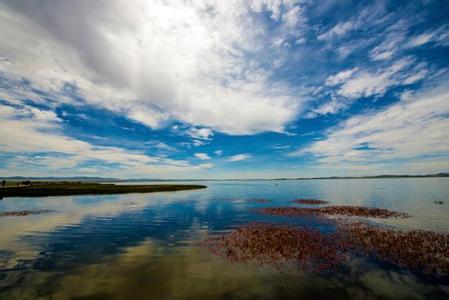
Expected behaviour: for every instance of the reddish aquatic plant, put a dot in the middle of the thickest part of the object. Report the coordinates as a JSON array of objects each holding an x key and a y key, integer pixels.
[
  {"x": 309, "y": 201},
  {"x": 22, "y": 213},
  {"x": 359, "y": 211},
  {"x": 426, "y": 251},
  {"x": 267, "y": 243}
]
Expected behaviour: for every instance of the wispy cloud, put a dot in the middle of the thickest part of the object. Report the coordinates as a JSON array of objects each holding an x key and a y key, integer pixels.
[
  {"x": 356, "y": 83},
  {"x": 417, "y": 127},
  {"x": 202, "y": 156},
  {"x": 239, "y": 157},
  {"x": 200, "y": 133},
  {"x": 437, "y": 37},
  {"x": 338, "y": 30},
  {"x": 34, "y": 138}
]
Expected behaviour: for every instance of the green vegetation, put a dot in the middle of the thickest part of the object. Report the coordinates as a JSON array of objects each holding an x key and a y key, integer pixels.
[{"x": 41, "y": 189}]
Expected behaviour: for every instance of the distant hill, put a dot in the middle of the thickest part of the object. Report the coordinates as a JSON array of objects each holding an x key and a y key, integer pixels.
[
  {"x": 75, "y": 178},
  {"x": 112, "y": 179},
  {"x": 378, "y": 176}
]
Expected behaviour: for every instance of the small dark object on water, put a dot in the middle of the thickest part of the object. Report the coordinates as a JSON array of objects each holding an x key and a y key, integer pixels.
[
  {"x": 438, "y": 202},
  {"x": 309, "y": 201},
  {"x": 23, "y": 213}
]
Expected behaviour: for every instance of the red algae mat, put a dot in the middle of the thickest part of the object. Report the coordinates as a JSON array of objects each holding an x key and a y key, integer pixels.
[
  {"x": 23, "y": 213},
  {"x": 266, "y": 243},
  {"x": 358, "y": 211},
  {"x": 310, "y": 201},
  {"x": 416, "y": 250}
]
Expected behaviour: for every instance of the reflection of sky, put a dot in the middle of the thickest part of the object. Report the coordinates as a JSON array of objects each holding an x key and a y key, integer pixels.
[
  {"x": 84, "y": 230},
  {"x": 148, "y": 271}
]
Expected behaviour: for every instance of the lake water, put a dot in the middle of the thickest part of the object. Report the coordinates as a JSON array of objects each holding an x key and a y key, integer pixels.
[{"x": 145, "y": 246}]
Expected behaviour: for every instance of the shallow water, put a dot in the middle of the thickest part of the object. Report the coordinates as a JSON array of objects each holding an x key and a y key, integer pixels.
[{"x": 145, "y": 246}]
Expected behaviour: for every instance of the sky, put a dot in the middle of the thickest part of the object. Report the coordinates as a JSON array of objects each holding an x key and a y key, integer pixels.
[{"x": 223, "y": 89}]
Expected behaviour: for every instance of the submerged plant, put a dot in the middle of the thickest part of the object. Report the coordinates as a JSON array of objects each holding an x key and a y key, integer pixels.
[
  {"x": 310, "y": 201},
  {"x": 267, "y": 243},
  {"x": 416, "y": 250},
  {"x": 358, "y": 211}
]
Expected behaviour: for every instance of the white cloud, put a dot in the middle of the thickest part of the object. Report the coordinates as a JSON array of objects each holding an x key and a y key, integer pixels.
[
  {"x": 338, "y": 30},
  {"x": 293, "y": 16},
  {"x": 202, "y": 156},
  {"x": 414, "y": 128},
  {"x": 392, "y": 41},
  {"x": 281, "y": 147},
  {"x": 196, "y": 62},
  {"x": 356, "y": 83},
  {"x": 340, "y": 77},
  {"x": 328, "y": 108},
  {"x": 367, "y": 17},
  {"x": 34, "y": 137},
  {"x": 200, "y": 133},
  {"x": 205, "y": 166},
  {"x": 420, "y": 39},
  {"x": 419, "y": 75},
  {"x": 218, "y": 152},
  {"x": 388, "y": 47},
  {"x": 160, "y": 146},
  {"x": 239, "y": 157},
  {"x": 439, "y": 36}
]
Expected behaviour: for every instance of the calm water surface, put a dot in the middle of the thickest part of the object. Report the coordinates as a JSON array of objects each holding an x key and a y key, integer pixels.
[{"x": 145, "y": 246}]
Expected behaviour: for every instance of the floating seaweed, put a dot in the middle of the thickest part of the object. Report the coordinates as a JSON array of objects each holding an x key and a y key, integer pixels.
[
  {"x": 23, "y": 213},
  {"x": 274, "y": 244},
  {"x": 309, "y": 201},
  {"x": 359, "y": 211},
  {"x": 416, "y": 250},
  {"x": 267, "y": 243}
]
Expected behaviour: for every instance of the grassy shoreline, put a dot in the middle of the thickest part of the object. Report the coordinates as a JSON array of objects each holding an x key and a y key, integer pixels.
[{"x": 39, "y": 189}]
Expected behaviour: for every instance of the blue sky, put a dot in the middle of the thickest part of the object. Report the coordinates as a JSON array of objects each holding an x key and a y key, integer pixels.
[{"x": 223, "y": 89}]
